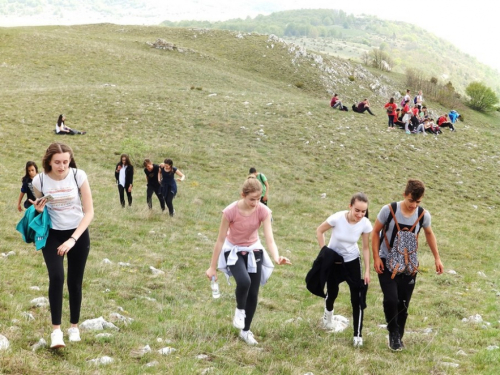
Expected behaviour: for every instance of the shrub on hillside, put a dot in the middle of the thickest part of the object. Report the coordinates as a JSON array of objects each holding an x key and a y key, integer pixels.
[{"x": 481, "y": 97}]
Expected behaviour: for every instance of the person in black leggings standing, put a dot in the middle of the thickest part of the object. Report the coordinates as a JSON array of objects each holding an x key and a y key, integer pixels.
[
  {"x": 238, "y": 252},
  {"x": 71, "y": 210},
  {"x": 168, "y": 184},
  {"x": 124, "y": 176}
]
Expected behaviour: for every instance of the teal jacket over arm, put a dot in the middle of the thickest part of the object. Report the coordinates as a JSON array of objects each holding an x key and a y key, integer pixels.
[{"x": 34, "y": 227}]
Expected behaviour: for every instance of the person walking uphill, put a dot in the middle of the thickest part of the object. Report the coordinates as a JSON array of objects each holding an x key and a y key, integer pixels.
[
  {"x": 347, "y": 227},
  {"x": 263, "y": 181},
  {"x": 152, "y": 172},
  {"x": 397, "y": 288},
  {"x": 168, "y": 184},
  {"x": 124, "y": 175},
  {"x": 238, "y": 252},
  {"x": 71, "y": 210}
]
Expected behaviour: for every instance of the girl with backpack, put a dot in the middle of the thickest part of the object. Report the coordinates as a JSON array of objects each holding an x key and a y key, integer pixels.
[
  {"x": 391, "y": 113},
  {"x": 27, "y": 187},
  {"x": 347, "y": 227},
  {"x": 238, "y": 252}
]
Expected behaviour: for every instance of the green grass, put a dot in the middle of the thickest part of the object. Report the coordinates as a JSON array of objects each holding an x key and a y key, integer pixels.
[{"x": 145, "y": 102}]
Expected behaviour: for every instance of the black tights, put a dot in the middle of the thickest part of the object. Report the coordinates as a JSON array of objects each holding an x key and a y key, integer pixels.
[
  {"x": 77, "y": 258},
  {"x": 121, "y": 191},
  {"x": 169, "y": 197},
  {"x": 350, "y": 272},
  {"x": 247, "y": 285},
  {"x": 397, "y": 295}
]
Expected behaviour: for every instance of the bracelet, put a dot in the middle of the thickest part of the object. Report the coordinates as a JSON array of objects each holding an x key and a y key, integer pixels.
[{"x": 73, "y": 238}]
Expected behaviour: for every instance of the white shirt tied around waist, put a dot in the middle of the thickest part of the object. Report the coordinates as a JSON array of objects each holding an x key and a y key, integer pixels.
[{"x": 267, "y": 264}]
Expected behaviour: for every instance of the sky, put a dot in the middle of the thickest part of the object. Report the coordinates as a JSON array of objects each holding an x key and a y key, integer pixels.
[{"x": 472, "y": 26}]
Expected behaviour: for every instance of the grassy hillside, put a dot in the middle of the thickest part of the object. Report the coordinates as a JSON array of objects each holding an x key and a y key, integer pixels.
[
  {"x": 225, "y": 102},
  {"x": 343, "y": 35}
]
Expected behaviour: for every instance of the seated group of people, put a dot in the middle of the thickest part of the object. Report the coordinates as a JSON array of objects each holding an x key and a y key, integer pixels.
[{"x": 413, "y": 119}]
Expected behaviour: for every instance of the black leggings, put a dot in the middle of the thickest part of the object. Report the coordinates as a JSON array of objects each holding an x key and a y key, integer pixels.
[
  {"x": 351, "y": 273},
  {"x": 121, "y": 191},
  {"x": 247, "y": 285},
  {"x": 77, "y": 258},
  {"x": 397, "y": 295},
  {"x": 169, "y": 197},
  {"x": 149, "y": 195}
]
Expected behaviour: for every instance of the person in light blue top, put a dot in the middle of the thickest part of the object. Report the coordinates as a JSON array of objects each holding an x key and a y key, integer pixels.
[{"x": 453, "y": 116}]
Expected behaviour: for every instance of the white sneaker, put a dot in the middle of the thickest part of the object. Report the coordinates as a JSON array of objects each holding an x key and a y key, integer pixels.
[
  {"x": 247, "y": 336},
  {"x": 56, "y": 339},
  {"x": 357, "y": 341},
  {"x": 239, "y": 318},
  {"x": 74, "y": 334},
  {"x": 328, "y": 319}
]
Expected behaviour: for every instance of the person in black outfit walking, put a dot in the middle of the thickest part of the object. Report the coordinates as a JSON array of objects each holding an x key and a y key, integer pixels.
[
  {"x": 124, "y": 175},
  {"x": 152, "y": 172}
]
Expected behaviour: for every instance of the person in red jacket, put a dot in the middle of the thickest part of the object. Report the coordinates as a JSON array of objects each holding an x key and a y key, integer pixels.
[
  {"x": 443, "y": 122},
  {"x": 391, "y": 113},
  {"x": 335, "y": 102}
]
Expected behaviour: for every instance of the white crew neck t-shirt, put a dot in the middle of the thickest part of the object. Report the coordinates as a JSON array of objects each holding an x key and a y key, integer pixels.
[
  {"x": 345, "y": 236},
  {"x": 65, "y": 210}
]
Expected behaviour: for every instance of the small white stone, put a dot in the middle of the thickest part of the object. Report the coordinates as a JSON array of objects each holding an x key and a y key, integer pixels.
[
  {"x": 166, "y": 350},
  {"x": 492, "y": 347},
  {"x": 452, "y": 272},
  {"x": 323, "y": 195},
  {"x": 482, "y": 274},
  {"x": 34, "y": 288},
  {"x": 155, "y": 271},
  {"x": 202, "y": 356},
  {"x": 39, "y": 302},
  {"x": 106, "y": 261},
  {"x": 40, "y": 344},
  {"x": 102, "y": 360},
  {"x": 123, "y": 264},
  {"x": 29, "y": 316},
  {"x": 450, "y": 364},
  {"x": 4, "y": 343},
  {"x": 461, "y": 352},
  {"x": 103, "y": 335},
  {"x": 152, "y": 364},
  {"x": 214, "y": 94}
]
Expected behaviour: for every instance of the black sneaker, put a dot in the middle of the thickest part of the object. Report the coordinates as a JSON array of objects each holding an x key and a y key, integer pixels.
[{"x": 395, "y": 342}]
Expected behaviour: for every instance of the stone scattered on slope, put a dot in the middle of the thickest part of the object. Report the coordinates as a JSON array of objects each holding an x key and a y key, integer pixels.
[
  {"x": 115, "y": 317},
  {"x": 39, "y": 302},
  {"x": 39, "y": 345},
  {"x": 102, "y": 360},
  {"x": 167, "y": 350},
  {"x": 97, "y": 324},
  {"x": 155, "y": 271},
  {"x": 4, "y": 343}
]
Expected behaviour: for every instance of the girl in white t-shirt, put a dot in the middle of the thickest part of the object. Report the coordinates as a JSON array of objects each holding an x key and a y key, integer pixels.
[
  {"x": 347, "y": 227},
  {"x": 71, "y": 210}
]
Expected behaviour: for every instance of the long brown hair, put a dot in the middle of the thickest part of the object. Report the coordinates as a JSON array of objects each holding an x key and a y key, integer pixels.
[
  {"x": 251, "y": 185},
  {"x": 57, "y": 148}
]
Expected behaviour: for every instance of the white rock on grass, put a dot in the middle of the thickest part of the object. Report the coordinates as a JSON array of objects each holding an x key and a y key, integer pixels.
[
  {"x": 473, "y": 319},
  {"x": 167, "y": 350},
  {"x": 28, "y": 316},
  {"x": 115, "y": 317},
  {"x": 152, "y": 364},
  {"x": 123, "y": 264},
  {"x": 34, "y": 288},
  {"x": 461, "y": 352},
  {"x": 202, "y": 356},
  {"x": 4, "y": 343},
  {"x": 102, "y": 360},
  {"x": 492, "y": 347},
  {"x": 39, "y": 345},
  {"x": 106, "y": 261},
  {"x": 97, "y": 324},
  {"x": 39, "y": 302},
  {"x": 155, "y": 271},
  {"x": 452, "y": 272},
  {"x": 340, "y": 323},
  {"x": 9, "y": 254},
  {"x": 482, "y": 274},
  {"x": 141, "y": 352}
]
